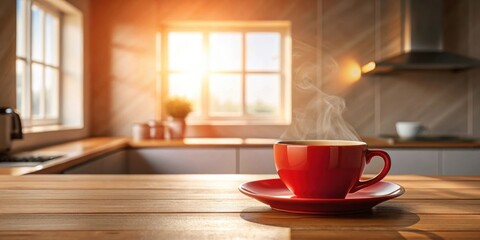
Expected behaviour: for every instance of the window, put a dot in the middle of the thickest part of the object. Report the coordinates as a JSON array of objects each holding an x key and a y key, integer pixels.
[
  {"x": 232, "y": 72},
  {"x": 38, "y": 62}
]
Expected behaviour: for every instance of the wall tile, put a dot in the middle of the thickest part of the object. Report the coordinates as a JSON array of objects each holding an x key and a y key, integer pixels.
[
  {"x": 348, "y": 37},
  {"x": 437, "y": 99},
  {"x": 345, "y": 33},
  {"x": 474, "y": 77},
  {"x": 475, "y": 107},
  {"x": 456, "y": 26}
]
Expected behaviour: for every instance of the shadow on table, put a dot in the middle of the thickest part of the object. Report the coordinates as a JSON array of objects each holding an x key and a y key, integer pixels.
[{"x": 383, "y": 222}]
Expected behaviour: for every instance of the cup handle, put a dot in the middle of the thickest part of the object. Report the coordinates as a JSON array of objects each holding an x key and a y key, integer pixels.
[{"x": 386, "y": 167}]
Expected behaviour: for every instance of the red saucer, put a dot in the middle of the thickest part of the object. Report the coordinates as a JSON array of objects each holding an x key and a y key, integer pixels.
[{"x": 274, "y": 193}]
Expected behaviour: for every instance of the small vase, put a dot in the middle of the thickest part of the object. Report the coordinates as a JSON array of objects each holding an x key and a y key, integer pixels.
[{"x": 176, "y": 128}]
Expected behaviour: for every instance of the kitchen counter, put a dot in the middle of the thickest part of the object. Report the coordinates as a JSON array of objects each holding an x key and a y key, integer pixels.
[
  {"x": 81, "y": 151},
  {"x": 373, "y": 142},
  {"x": 205, "y": 142},
  {"x": 72, "y": 153},
  {"x": 211, "y": 207}
]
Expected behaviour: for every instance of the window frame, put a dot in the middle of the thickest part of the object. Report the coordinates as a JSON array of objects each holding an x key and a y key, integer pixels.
[
  {"x": 27, "y": 116},
  {"x": 282, "y": 117}
]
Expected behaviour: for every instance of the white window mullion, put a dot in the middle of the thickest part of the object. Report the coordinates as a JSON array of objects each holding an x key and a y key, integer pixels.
[
  {"x": 60, "y": 67},
  {"x": 39, "y": 23},
  {"x": 25, "y": 89},
  {"x": 42, "y": 88},
  {"x": 28, "y": 57},
  {"x": 282, "y": 76},
  {"x": 244, "y": 61}
]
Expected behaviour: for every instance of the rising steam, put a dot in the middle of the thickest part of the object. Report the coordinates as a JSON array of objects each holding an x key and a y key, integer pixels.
[{"x": 321, "y": 118}]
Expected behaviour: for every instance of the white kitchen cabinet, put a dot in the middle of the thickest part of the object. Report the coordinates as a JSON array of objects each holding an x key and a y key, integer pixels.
[
  {"x": 413, "y": 161},
  {"x": 461, "y": 162},
  {"x": 256, "y": 161},
  {"x": 112, "y": 163},
  {"x": 182, "y": 160},
  {"x": 259, "y": 160}
]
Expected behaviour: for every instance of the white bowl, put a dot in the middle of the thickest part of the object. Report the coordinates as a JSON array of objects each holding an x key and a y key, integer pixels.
[{"x": 409, "y": 130}]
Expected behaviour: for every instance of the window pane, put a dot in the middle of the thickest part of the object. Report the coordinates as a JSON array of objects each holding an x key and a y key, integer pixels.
[
  {"x": 185, "y": 51},
  {"x": 37, "y": 33},
  {"x": 37, "y": 88},
  {"x": 188, "y": 86},
  {"x": 263, "y": 93},
  {"x": 226, "y": 51},
  {"x": 51, "y": 92},
  {"x": 263, "y": 51},
  {"x": 21, "y": 28},
  {"x": 225, "y": 94},
  {"x": 20, "y": 82},
  {"x": 51, "y": 40}
]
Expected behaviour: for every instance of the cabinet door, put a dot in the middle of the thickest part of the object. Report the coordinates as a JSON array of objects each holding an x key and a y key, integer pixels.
[
  {"x": 182, "y": 160},
  {"x": 112, "y": 163},
  {"x": 256, "y": 161},
  {"x": 461, "y": 162},
  {"x": 413, "y": 161}
]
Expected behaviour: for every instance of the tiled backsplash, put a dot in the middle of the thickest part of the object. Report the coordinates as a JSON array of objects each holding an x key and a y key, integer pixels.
[{"x": 347, "y": 31}]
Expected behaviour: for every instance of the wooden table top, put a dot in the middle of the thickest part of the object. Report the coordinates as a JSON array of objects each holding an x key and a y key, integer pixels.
[{"x": 211, "y": 207}]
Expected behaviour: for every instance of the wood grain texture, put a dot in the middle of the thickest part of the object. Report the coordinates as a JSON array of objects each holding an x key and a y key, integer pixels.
[
  {"x": 320, "y": 234},
  {"x": 210, "y": 207}
]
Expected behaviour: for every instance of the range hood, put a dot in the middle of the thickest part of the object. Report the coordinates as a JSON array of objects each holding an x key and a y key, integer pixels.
[{"x": 422, "y": 29}]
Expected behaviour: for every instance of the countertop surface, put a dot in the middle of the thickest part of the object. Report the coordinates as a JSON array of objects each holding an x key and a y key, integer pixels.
[
  {"x": 211, "y": 207},
  {"x": 77, "y": 152},
  {"x": 73, "y": 153},
  {"x": 373, "y": 142}
]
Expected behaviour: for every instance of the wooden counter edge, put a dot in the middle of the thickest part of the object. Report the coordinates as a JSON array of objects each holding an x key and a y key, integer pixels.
[
  {"x": 372, "y": 142},
  {"x": 104, "y": 146}
]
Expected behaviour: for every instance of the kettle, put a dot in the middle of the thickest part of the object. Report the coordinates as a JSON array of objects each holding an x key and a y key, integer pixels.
[{"x": 10, "y": 128}]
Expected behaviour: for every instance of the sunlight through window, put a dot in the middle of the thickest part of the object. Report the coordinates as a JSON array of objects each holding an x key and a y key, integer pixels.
[{"x": 235, "y": 72}]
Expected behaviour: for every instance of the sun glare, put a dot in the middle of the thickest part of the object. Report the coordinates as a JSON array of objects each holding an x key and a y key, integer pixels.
[{"x": 186, "y": 52}]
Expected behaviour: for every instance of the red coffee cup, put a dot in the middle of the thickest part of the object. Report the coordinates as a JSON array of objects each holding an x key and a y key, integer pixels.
[{"x": 325, "y": 168}]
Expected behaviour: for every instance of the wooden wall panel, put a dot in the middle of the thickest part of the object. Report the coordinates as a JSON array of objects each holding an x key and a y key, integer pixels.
[{"x": 7, "y": 53}]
